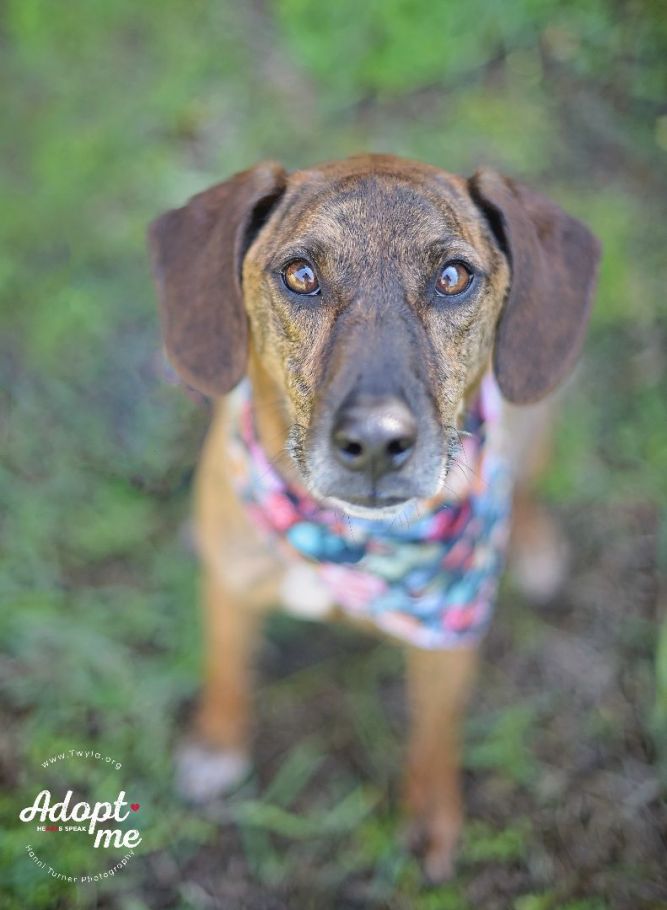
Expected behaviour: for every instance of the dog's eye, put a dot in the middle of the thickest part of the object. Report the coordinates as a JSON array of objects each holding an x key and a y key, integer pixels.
[
  {"x": 300, "y": 277},
  {"x": 455, "y": 278}
]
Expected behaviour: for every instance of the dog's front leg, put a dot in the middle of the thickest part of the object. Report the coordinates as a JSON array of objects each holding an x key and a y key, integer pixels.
[
  {"x": 230, "y": 633},
  {"x": 216, "y": 757},
  {"x": 238, "y": 581},
  {"x": 438, "y": 686}
]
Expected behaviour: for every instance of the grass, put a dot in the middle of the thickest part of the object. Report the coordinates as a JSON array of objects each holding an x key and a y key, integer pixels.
[{"x": 114, "y": 111}]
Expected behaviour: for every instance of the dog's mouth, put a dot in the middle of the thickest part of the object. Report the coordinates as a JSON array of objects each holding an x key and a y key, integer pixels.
[
  {"x": 374, "y": 508},
  {"x": 377, "y": 502},
  {"x": 371, "y": 507}
]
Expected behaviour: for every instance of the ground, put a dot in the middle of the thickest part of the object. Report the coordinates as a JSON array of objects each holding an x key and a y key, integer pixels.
[{"x": 115, "y": 111}]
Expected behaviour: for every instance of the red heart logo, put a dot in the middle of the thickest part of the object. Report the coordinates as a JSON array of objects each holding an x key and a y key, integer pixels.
[{"x": 134, "y": 807}]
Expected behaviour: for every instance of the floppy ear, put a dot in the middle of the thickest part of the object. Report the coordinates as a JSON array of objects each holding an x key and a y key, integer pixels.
[
  {"x": 553, "y": 260},
  {"x": 197, "y": 254}
]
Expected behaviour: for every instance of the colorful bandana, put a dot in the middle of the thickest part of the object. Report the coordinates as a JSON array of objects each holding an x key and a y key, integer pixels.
[{"x": 430, "y": 581}]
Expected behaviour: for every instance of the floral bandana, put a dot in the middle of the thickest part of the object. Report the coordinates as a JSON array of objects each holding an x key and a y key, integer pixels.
[{"x": 430, "y": 580}]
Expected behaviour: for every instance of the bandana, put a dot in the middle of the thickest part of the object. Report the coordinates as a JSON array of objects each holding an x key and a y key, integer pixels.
[{"x": 428, "y": 578}]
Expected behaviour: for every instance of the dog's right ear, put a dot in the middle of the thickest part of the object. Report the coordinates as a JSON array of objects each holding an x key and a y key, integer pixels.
[{"x": 197, "y": 255}]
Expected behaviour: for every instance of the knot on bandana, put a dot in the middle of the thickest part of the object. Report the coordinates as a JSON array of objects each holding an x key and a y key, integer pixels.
[{"x": 429, "y": 580}]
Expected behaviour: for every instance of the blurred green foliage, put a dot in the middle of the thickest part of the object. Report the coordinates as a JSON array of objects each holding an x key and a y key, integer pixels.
[
  {"x": 396, "y": 46},
  {"x": 115, "y": 110}
]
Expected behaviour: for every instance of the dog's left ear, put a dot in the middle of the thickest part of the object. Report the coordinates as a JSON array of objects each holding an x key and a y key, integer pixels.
[{"x": 553, "y": 260}]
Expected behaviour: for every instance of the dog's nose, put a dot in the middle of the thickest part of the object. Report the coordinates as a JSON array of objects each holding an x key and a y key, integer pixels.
[{"x": 374, "y": 435}]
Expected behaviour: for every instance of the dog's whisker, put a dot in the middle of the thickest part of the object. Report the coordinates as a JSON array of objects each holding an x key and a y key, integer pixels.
[{"x": 284, "y": 454}]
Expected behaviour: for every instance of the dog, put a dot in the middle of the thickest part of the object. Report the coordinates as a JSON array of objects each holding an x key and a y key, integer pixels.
[{"x": 359, "y": 313}]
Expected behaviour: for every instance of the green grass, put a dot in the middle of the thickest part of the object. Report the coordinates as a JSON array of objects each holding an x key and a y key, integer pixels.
[{"x": 116, "y": 110}]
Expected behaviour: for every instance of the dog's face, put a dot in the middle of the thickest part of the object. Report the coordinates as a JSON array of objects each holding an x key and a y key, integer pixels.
[
  {"x": 372, "y": 294},
  {"x": 375, "y": 290}
]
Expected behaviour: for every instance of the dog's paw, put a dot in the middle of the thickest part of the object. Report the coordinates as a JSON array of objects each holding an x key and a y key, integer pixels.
[
  {"x": 435, "y": 839},
  {"x": 203, "y": 773}
]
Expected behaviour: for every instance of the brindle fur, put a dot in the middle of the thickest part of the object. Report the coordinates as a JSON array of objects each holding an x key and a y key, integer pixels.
[
  {"x": 376, "y": 228},
  {"x": 376, "y": 329}
]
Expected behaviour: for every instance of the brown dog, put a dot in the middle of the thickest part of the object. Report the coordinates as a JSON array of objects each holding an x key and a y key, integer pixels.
[{"x": 329, "y": 288}]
